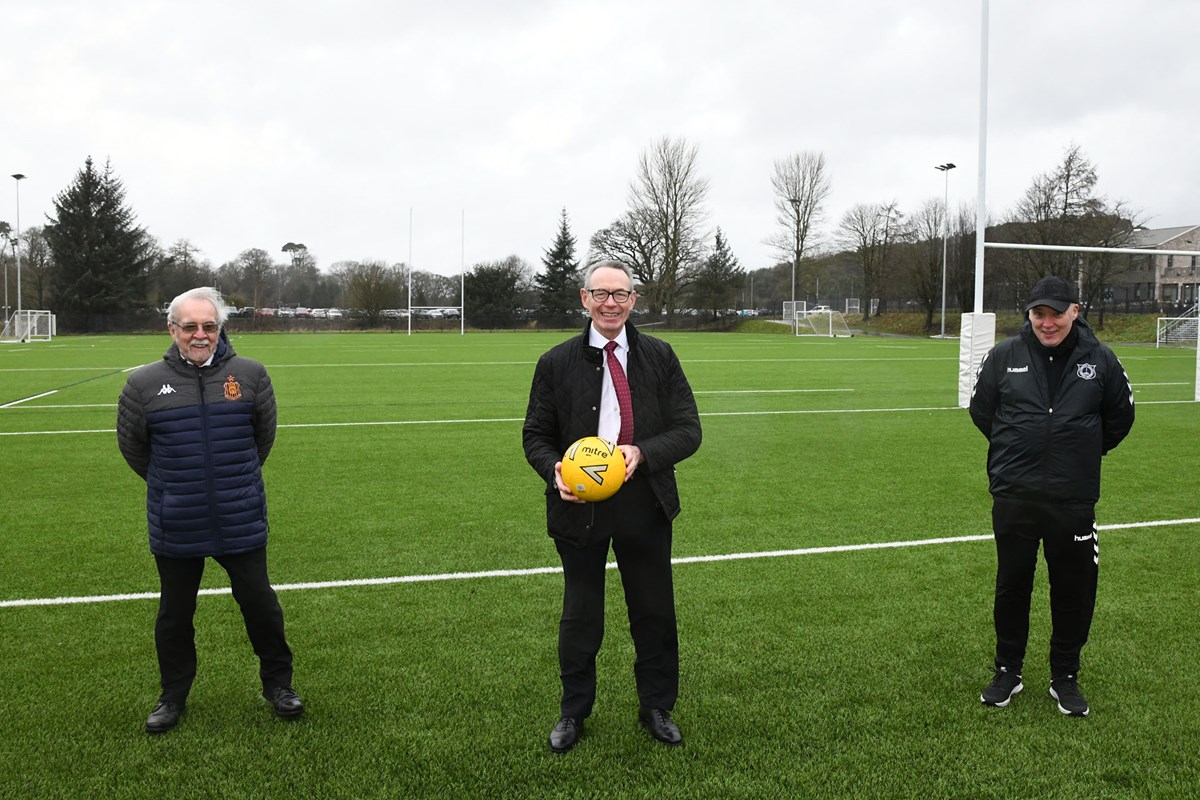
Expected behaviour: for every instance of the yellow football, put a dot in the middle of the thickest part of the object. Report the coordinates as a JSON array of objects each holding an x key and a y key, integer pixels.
[{"x": 593, "y": 468}]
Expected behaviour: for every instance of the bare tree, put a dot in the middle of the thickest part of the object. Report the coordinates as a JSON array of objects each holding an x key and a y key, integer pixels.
[
  {"x": 869, "y": 230},
  {"x": 1061, "y": 207},
  {"x": 371, "y": 286},
  {"x": 925, "y": 261},
  {"x": 801, "y": 185},
  {"x": 659, "y": 237},
  {"x": 255, "y": 267},
  {"x": 633, "y": 241},
  {"x": 1052, "y": 212}
]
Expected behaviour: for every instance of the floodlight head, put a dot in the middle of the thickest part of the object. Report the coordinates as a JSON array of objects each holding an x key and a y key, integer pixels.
[
  {"x": 945, "y": 167},
  {"x": 19, "y": 176}
]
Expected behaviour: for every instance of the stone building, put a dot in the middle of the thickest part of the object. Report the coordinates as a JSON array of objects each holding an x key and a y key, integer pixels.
[{"x": 1166, "y": 283}]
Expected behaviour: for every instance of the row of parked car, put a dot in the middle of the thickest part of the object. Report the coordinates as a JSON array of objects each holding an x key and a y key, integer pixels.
[
  {"x": 422, "y": 313},
  {"x": 306, "y": 313},
  {"x": 337, "y": 313}
]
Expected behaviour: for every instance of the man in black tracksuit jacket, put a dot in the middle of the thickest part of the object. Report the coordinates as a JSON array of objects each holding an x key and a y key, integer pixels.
[
  {"x": 1051, "y": 401},
  {"x": 574, "y": 394}
]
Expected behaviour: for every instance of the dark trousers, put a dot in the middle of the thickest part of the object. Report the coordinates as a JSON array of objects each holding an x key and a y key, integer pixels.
[
  {"x": 640, "y": 535},
  {"x": 1071, "y": 546},
  {"x": 175, "y": 635}
]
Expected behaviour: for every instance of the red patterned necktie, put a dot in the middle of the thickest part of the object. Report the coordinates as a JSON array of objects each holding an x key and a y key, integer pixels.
[{"x": 624, "y": 399}]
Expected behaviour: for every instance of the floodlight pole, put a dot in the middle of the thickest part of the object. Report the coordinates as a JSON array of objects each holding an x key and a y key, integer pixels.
[
  {"x": 18, "y": 177},
  {"x": 945, "y": 169}
]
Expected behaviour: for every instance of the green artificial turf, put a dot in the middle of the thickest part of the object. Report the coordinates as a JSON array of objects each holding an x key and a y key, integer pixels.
[{"x": 835, "y": 673}]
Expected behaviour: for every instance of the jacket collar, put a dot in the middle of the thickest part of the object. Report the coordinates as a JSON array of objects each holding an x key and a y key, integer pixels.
[
  {"x": 631, "y": 334},
  {"x": 224, "y": 351}
]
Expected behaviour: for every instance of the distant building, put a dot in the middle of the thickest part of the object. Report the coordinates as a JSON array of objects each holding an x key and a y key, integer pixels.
[{"x": 1166, "y": 283}]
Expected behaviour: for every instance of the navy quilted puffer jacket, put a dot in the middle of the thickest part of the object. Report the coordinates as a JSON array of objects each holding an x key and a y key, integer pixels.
[{"x": 199, "y": 437}]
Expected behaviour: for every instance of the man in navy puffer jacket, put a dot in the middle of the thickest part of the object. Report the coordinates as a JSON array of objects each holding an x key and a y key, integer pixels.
[{"x": 197, "y": 427}]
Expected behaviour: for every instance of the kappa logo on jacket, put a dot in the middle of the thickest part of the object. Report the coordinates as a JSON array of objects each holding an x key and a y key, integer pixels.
[
  {"x": 233, "y": 389},
  {"x": 1086, "y": 371},
  {"x": 167, "y": 389}
]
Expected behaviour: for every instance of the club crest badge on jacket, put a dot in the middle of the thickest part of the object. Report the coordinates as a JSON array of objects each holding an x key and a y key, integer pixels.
[{"x": 233, "y": 389}]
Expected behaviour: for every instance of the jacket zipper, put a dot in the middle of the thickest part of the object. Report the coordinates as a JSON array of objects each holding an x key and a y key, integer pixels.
[{"x": 208, "y": 477}]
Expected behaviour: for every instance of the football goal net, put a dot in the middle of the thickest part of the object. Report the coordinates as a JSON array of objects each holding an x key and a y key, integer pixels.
[
  {"x": 29, "y": 326},
  {"x": 1177, "y": 331},
  {"x": 825, "y": 322}
]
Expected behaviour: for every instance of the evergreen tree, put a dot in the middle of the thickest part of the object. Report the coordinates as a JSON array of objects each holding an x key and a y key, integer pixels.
[
  {"x": 559, "y": 284},
  {"x": 101, "y": 256},
  {"x": 492, "y": 290},
  {"x": 718, "y": 279}
]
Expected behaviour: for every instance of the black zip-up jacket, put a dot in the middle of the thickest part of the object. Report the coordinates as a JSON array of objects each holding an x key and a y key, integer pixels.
[
  {"x": 199, "y": 437},
  {"x": 1050, "y": 453},
  {"x": 564, "y": 405}
]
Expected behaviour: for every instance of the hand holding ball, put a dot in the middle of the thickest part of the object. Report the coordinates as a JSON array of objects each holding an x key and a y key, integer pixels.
[{"x": 593, "y": 468}]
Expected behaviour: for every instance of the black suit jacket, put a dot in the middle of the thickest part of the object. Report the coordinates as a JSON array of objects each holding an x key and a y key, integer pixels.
[{"x": 564, "y": 405}]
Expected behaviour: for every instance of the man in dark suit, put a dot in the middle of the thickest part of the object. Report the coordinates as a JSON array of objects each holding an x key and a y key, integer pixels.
[{"x": 614, "y": 382}]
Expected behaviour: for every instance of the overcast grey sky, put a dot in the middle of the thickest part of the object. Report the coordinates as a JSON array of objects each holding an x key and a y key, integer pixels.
[{"x": 243, "y": 123}]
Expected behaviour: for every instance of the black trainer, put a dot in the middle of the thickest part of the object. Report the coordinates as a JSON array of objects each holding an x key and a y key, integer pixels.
[
  {"x": 1070, "y": 700},
  {"x": 1003, "y": 686}
]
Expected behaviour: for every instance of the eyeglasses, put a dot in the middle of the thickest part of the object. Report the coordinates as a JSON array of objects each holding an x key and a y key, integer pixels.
[
  {"x": 602, "y": 295},
  {"x": 190, "y": 328}
]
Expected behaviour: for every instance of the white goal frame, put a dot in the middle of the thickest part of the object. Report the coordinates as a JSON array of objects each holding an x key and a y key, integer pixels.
[
  {"x": 29, "y": 326},
  {"x": 1177, "y": 331},
  {"x": 830, "y": 324}
]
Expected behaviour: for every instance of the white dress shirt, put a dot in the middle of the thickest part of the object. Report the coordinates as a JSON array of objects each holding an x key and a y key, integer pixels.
[{"x": 610, "y": 408}]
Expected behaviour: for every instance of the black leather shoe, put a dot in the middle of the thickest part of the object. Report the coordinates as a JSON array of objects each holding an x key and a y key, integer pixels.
[
  {"x": 164, "y": 717},
  {"x": 659, "y": 723},
  {"x": 565, "y": 734},
  {"x": 286, "y": 702}
]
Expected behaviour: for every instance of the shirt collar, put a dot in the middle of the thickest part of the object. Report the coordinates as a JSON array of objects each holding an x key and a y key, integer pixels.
[{"x": 598, "y": 341}]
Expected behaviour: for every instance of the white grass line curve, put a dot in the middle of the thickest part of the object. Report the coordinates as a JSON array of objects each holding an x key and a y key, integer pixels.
[{"x": 516, "y": 573}]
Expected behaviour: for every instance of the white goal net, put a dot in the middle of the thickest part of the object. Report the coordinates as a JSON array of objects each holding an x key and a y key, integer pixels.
[
  {"x": 825, "y": 322},
  {"x": 1177, "y": 331},
  {"x": 29, "y": 326}
]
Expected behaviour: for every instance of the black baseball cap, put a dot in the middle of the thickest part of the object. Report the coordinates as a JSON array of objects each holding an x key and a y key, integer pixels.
[{"x": 1053, "y": 292}]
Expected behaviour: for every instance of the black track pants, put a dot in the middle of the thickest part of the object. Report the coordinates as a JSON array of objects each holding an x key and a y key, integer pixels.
[{"x": 1071, "y": 545}]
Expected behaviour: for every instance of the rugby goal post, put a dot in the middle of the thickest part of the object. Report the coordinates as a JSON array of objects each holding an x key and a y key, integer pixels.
[
  {"x": 822, "y": 323},
  {"x": 29, "y": 326}
]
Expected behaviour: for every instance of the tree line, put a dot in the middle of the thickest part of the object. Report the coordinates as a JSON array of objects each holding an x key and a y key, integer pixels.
[{"x": 95, "y": 267}]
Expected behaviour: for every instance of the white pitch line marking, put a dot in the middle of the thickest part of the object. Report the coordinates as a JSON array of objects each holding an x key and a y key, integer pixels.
[
  {"x": 765, "y": 391},
  {"x": 513, "y": 573},
  {"x": 27, "y": 399}
]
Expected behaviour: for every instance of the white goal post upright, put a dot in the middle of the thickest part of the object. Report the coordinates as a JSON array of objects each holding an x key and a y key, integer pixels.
[{"x": 979, "y": 329}]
